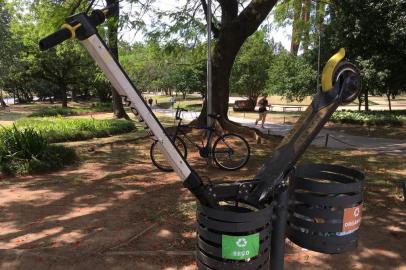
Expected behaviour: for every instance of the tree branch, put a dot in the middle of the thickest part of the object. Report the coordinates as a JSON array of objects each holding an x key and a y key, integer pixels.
[
  {"x": 253, "y": 15},
  {"x": 75, "y": 7},
  {"x": 214, "y": 27},
  {"x": 229, "y": 10}
]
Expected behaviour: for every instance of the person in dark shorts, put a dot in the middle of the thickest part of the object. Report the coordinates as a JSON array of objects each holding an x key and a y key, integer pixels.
[{"x": 263, "y": 104}]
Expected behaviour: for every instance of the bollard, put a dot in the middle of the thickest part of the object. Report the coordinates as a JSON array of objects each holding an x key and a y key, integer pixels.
[{"x": 326, "y": 142}]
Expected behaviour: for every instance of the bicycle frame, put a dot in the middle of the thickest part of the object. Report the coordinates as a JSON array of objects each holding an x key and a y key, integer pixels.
[{"x": 211, "y": 131}]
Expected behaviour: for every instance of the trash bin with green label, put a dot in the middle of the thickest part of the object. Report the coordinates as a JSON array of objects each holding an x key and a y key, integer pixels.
[
  {"x": 325, "y": 208},
  {"x": 234, "y": 237}
]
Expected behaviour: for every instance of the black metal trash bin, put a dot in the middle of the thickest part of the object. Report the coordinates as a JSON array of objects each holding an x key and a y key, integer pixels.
[
  {"x": 233, "y": 238},
  {"x": 325, "y": 208}
]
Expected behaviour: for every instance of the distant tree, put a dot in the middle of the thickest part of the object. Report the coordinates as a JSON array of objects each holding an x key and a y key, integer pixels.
[
  {"x": 187, "y": 79},
  {"x": 170, "y": 67},
  {"x": 306, "y": 18},
  {"x": 8, "y": 46},
  {"x": 249, "y": 74},
  {"x": 374, "y": 80},
  {"x": 375, "y": 35},
  {"x": 57, "y": 72},
  {"x": 233, "y": 22},
  {"x": 112, "y": 41},
  {"x": 291, "y": 77}
]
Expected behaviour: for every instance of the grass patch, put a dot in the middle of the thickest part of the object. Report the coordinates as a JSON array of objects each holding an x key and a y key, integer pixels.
[
  {"x": 378, "y": 118},
  {"x": 25, "y": 151},
  {"x": 193, "y": 107},
  {"x": 58, "y": 129},
  {"x": 59, "y": 111},
  {"x": 383, "y": 173}
]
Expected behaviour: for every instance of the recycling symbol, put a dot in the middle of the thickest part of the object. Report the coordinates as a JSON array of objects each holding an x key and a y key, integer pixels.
[
  {"x": 356, "y": 212},
  {"x": 241, "y": 242}
]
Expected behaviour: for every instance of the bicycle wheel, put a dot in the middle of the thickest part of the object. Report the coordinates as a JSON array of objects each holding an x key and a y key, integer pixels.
[
  {"x": 158, "y": 158},
  {"x": 231, "y": 152}
]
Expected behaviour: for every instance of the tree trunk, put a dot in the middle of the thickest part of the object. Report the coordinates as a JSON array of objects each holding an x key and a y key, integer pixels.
[
  {"x": 320, "y": 14},
  {"x": 235, "y": 29},
  {"x": 64, "y": 97},
  {"x": 118, "y": 108},
  {"x": 223, "y": 58},
  {"x": 306, "y": 24},
  {"x": 366, "y": 100},
  {"x": 389, "y": 101},
  {"x": 2, "y": 102},
  {"x": 295, "y": 42},
  {"x": 253, "y": 100},
  {"x": 74, "y": 95},
  {"x": 359, "y": 103}
]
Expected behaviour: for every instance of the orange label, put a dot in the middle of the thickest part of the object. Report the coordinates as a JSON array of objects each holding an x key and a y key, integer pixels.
[{"x": 352, "y": 218}]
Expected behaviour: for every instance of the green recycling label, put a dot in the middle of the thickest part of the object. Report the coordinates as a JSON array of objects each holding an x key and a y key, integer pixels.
[{"x": 240, "y": 247}]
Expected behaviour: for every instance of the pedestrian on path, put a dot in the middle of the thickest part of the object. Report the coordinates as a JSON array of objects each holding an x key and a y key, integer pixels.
[
  {"x": 172, "y": 101},
  {"x": 263, "y": 104}
]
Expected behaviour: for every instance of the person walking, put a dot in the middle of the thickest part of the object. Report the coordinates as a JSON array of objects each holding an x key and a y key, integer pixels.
[
  {"x": 172, "y": 101},
  {"x": 263, "y": 104}
]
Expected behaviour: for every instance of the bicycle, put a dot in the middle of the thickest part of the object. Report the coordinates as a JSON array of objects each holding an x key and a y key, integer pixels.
[{"x": 229, "y": 151}]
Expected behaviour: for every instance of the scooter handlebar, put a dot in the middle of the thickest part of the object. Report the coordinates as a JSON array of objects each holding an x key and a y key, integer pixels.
[
  {"x": 96, "y": 18},
  {"x": 54, "y": 39}
]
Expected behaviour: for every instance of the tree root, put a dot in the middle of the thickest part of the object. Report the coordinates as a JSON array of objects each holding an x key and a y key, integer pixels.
[{"x": 226, "y": 125}]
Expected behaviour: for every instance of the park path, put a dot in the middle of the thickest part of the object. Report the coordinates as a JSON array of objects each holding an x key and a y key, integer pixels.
[{"x": 334, "y": 139}]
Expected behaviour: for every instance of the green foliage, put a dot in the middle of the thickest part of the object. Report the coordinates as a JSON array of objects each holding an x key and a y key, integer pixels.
[
  {"x": 54, "y": 157},
  {"x": 378, "y": 118},
  {"x": 58, "y": 111},
  {"x": 291, "y": 76},
  {"x": 194, "y": 107},
  {"x": 26, "y": 151},
  {"x": 249, "y": 74},
  {"x": 101, "y": 107},
  {"x": 23, "y": 144},
  {"x": 52, "y": 74},
  {"x": 8, "y": 44},
  {"x": 187, "y": 79},
  {"x": 170, "y": 67},
  {"x": 47, "y": 112},
  {"x": 58, "y": 129},
  {"x": 382, "y": 24},
  {"x": 305, "y": 16}
]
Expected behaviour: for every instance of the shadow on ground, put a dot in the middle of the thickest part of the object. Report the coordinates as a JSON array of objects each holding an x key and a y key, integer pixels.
[{"x": 115, "y": 202}]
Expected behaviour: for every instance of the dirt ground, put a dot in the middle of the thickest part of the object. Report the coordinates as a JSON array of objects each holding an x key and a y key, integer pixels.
[{"x": 114, "y": 210}]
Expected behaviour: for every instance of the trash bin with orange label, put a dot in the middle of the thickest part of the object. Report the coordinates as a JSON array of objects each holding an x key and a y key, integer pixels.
[{"x": 325, "y": 209}]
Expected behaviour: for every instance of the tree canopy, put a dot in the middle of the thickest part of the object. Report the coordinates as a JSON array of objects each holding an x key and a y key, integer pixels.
[{"x": 172, "y": 56}]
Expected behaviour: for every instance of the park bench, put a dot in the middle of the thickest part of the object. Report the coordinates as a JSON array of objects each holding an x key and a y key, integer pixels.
[{"x": 244, "y": 105}]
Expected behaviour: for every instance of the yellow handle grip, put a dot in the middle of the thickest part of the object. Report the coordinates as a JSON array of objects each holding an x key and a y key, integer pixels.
[{"x": 327, "y": 75}]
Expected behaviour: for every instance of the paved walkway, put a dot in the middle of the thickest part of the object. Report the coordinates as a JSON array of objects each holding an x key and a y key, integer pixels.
[{"x": 335, "y": 140}]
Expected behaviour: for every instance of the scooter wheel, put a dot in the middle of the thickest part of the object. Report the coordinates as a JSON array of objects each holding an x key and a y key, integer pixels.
[{"x": 349, "y": 78}]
